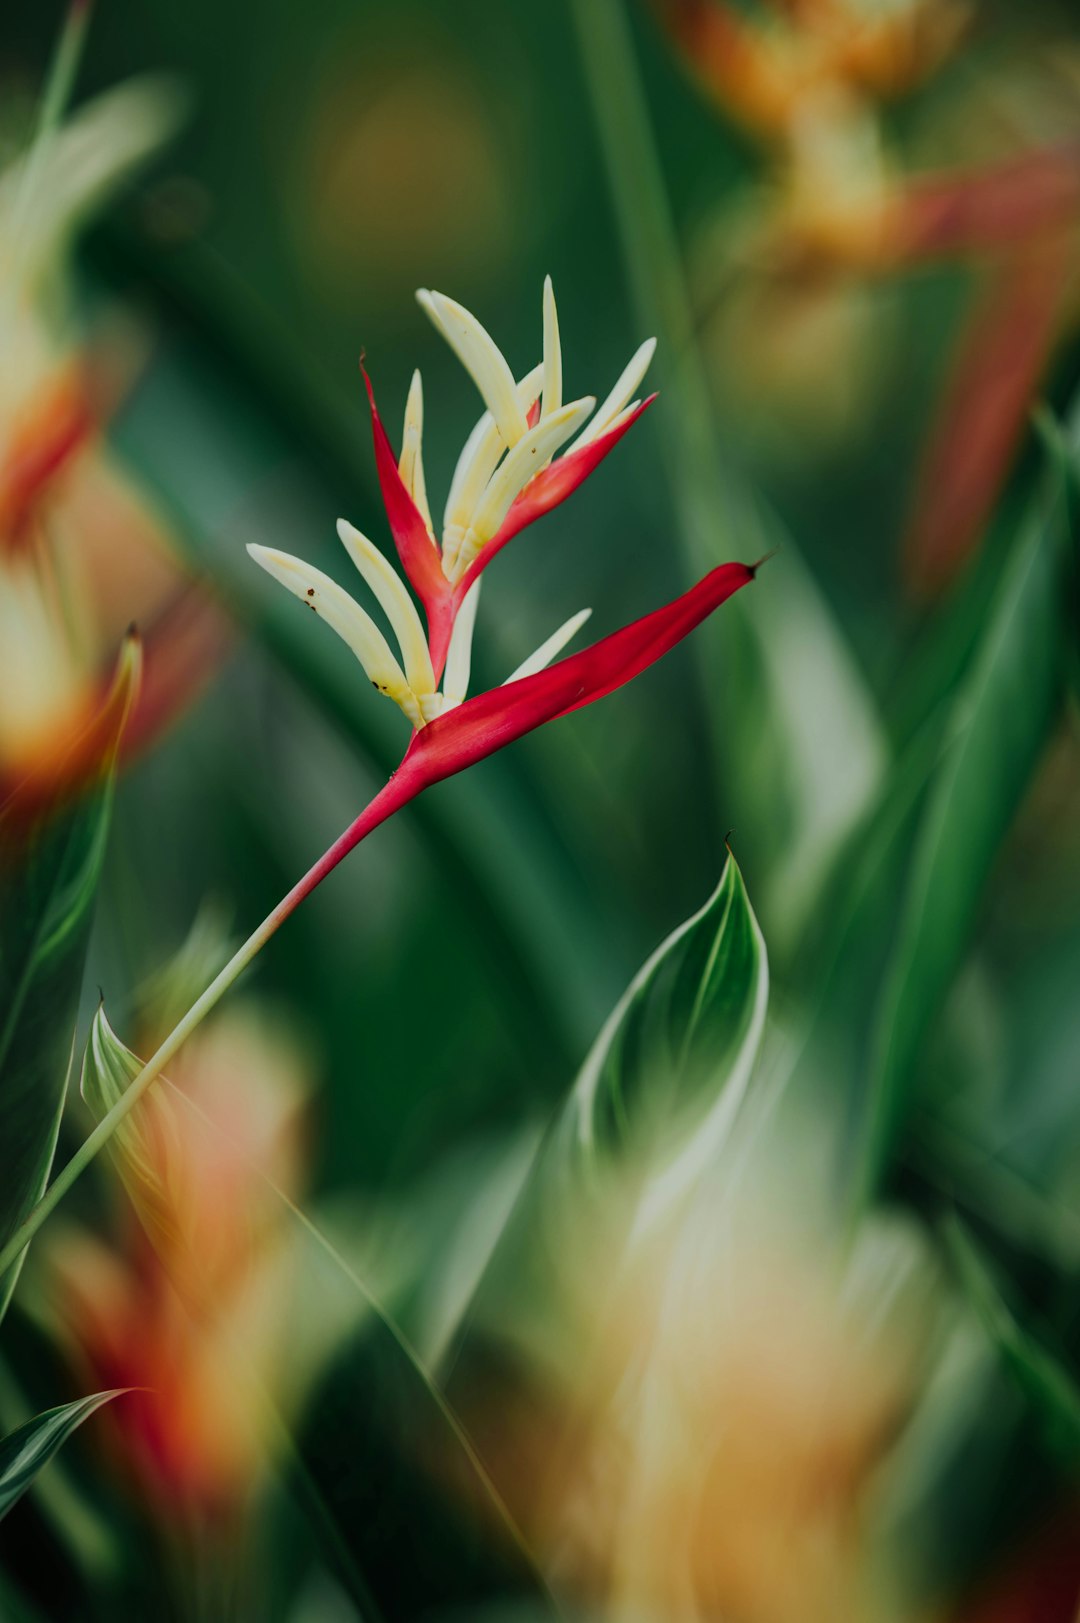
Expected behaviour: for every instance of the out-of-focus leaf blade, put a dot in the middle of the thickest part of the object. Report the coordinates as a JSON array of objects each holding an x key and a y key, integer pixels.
[
  {"x": 1050, "y": 1388},
  {"x": 797, "y": 730},
  {"x": 142, "y": 1145},
  {"x": 390, "y": 1483},
  {"x": 999, "y": 724},
  {"x": 407, "y": 1514},
  {"x": 48, "y": 879},
  {"x": 25, "y": 1451}
]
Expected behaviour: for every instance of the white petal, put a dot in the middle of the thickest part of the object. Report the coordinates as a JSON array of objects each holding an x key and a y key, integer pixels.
[
  {"x": 341, "y": 612},
  {"x": 552, "y": 353},
  {"x": 547, "y": 650},
  {"x": 411, "y": 466},
  {"x": 475, "y": 466},
  {"x": 459, "y": 654},
  {"x": 617, "y": 421},
  {"x": 396, "y": 603},
  {"x": 482, "y": 359},
  {"x": 527, "y": 457},
  {"x": 629, "y": 378}
]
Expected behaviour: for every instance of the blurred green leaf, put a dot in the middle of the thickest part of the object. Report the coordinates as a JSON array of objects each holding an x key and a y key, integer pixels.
[
  {"x": 795, "y": 726},
  {"x": 49, "y": 872},
  {"x": 25, "y": 1451},
  {"x": 47, "y": 891},
  {"x": 1050, "y": 1388},
  {"x": 407, "y": 1514},
  {"x": 998, "y": 725},
  {"x": 142, "y": 1144},
  {"x": 390, "y": 1483}
]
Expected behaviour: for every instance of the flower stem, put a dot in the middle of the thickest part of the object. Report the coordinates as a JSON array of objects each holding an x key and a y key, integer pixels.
[{"x": 401, "y": 788}]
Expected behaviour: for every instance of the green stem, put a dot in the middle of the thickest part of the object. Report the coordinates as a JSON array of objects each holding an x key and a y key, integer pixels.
[{"x": 387, "y": 801}]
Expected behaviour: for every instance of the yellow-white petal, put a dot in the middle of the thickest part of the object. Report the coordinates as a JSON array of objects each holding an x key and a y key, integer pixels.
[
  {"x": 476, "y": 464},
  {"x": 459, "y": 654},
  {"x": 552, "y": 398},
  {"x": 341, "y": 612},
  {"x": 548, "y": 650},
  {"x": 396, "y": 604},
  {"x": 482, "y": 359},
  {"x": 411, "y": 466},
  {"x": 631, "y": 375},
  {"x": 528, "y": 456}
]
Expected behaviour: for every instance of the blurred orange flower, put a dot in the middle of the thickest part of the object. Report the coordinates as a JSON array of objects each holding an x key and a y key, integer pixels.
[
  {"x": 191, "y": 1302},
  {"x": 81, "y": 552}
]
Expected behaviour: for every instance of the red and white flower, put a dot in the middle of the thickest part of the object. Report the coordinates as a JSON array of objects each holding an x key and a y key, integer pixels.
[{"x": 525, "y": 455}]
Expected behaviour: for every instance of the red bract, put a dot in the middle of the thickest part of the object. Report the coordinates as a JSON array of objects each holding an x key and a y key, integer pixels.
[
  {"x": 416, "y": 547},
  {"x": 420, "y": 557},
  {"x": 498, "y": 717},
  {"x": 552, "y": 486}
]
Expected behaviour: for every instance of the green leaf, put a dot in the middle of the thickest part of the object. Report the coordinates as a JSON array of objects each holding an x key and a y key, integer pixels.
[
  {"x": 999, "y": 724},
  {"x": 1049, "y": 1387},
  {"x": 647, "y": 1118},
  {"x": 25, "y": 1451},
  {"x": 669, "y": 1070},
  {"x": 143, "y": 1144}
]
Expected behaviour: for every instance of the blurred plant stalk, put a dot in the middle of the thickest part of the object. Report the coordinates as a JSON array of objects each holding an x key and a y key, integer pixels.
[{"x": 787, "y": 666}]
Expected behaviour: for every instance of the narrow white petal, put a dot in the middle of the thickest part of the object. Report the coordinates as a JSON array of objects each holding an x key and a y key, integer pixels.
[
  {"x": 411, "y": 466},
  {"x": 482, "y": 359},
  {"x": 396, "y": 604},
  {"x": 341, "y": 612},
  {"x": 617, "y": 421},
  {"x": 548, "y": 650},
  {"x": 518, "y": 466},
  {"x": 459, "y": 654},
  {"x": 629, "y": 378},
  {"x": 479, "y": 458},
  {"x": 552, "y": 353}
]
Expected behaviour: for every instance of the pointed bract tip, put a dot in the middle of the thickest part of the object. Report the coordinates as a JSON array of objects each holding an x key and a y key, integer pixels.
[{"x": 753, "y": 568}]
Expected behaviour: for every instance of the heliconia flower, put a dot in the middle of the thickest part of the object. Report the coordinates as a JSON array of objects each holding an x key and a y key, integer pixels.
[{"x": 509, "y": 474}]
